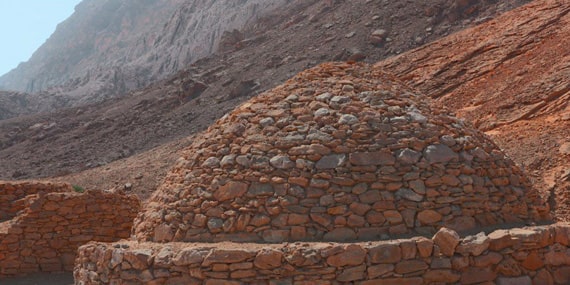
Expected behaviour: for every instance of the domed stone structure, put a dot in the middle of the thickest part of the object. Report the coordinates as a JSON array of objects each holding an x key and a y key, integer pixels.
[{"x": 340, "y": 152}]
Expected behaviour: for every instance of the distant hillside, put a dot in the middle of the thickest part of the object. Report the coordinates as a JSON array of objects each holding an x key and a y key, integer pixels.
[{"x": 108, "y": 47}]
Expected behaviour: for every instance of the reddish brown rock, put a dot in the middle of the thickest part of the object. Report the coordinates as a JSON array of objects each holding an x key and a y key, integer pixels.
[
  {"x": 474, "y": 245},
  {"x": 533, "y": 261},
  {"x": 410, "y": 266},
  {"x": 445, "y": 276},
  {"x": 372, "y": 158},
  {"x": 379, "y": 270},
  {"x": 425, "y": 247},
  {"x": 447, "y": 240},
  {"x": 226, "y": 256},
  {"x": 477, "y": 275},
  {"x": 230, "y": 191},
  {"x": 428, "y": 217},
  {"x": 387, "y": 253},
  {"x": 268, "y": 259},
  {"x": 351, "y": 256}
]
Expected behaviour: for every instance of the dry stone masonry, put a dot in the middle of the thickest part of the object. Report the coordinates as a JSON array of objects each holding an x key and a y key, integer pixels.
[
  {"x": 341, "y": 152},
  {"x": 524, "y": 256},
  {"x": 43, "y": 224},
  {"x": 12, "y": 195}
]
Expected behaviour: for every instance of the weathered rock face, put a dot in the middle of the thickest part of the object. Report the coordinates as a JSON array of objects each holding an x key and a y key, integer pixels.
[
  {"x": 340, "y": 152},
  {"x": 12, "y": 104},
  {"x": 124, "y": 45}
]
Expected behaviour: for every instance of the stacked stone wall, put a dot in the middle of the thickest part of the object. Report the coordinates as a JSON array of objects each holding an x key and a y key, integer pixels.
[
  {"x": 339, "y": 153},
  {"x": 51, "y": 224},
  {"x": 12, "y": 195},
  {"x": 532, "y": 255}
]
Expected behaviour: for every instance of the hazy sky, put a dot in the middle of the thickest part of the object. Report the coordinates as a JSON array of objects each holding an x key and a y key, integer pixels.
[{"x": 27, "y": 24}]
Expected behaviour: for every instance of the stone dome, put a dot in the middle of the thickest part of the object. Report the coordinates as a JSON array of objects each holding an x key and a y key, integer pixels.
[{"x": 340, "y": 152}]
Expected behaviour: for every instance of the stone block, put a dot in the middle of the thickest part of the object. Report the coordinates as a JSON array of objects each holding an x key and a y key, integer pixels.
[{"x": 447, "y": 240}]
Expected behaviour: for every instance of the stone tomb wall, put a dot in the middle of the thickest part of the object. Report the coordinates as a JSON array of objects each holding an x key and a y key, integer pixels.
[
  {"x": 43, "y": 236},
  {"x": 532, "y": 255},
  {"x": 12, "y": 195}
]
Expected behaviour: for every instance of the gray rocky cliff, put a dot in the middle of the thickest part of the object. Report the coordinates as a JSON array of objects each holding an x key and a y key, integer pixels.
[{"x": 109, "y": 47}]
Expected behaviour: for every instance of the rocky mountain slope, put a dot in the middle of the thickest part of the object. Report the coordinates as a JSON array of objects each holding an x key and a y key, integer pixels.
[
  {"x": 510, "y": 77},
  {"x": 109, "y": 47},
  {"x": 288, "y": 41}
]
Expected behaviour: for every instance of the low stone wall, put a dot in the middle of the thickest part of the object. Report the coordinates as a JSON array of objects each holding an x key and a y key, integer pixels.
[
  {"x": 533, "y": 255},
  {"x": 49, "y": 227},
  {"x": 12, "y": 195}
]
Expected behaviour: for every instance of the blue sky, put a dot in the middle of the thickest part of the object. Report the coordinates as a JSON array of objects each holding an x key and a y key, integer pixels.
[{"x": 25, "y": 25}]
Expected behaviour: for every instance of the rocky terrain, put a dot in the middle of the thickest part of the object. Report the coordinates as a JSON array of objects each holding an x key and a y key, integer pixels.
[
  {"x": 408, "y": 158},
  {"x": 508, "y": 77},
  {"x": 107, "y": 48},
  {"x": 81, "y": 138}
]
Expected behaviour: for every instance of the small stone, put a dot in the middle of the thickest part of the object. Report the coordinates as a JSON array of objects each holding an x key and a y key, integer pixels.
[
  {"x": 340, "y": 99},
  {"x": 474, "y": 245},
  {"x": 227, "y": 256},
  {"x": 348, "y": 119},
  {"x": 281, "y": 162},
  {"x": 408, "y": 156},
  {"x": 211, "y": 162},
  {"x": 268, "y": 259},
  {"x": 379, "y": 33},
  {"x": 331, "y": 161},
  {"x": 447, "y": 240},
  {"x": 352, "y": 274},
  {"x": 425, "y": 246},
  {"x": 492, "y": 258},
  {"x": 379, "y": 270},
  {"x": 325, "y": 97},
  {"x": 440, "y": 153},
  {"x": 347, "y": 88},
  {"x": 372, "y": 158},
  {"x": 475, "y": 275},
  {"x": 260, "y": 189},
  {"x": 443, "y": 276},
  {"x": 385, "y": 253},
  {"x": 394, "y": 217},
  {"x": 230, "y": 191},
  {"x": 408, "y": 194},
  {"x": 322, "y": 112},
  {"x": 410, "y": 266},
  {"x": 417, "y": 117},
  {"x": 340, "y": 235},
  {"x": 243, "y": 160},
  {"x": 429, "y": 217},
  {"x": 352, "y": 255},
  {"x": 418, "y": 186},
  {"x": 228, "y": 160},
  {"x": 266, "y": 122},
  {"x": 215, "y": 225},
  {"x": 461, "y": 223},
  {"x": 533, "y": 261},
  {"x": 189, "y": 256}
]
